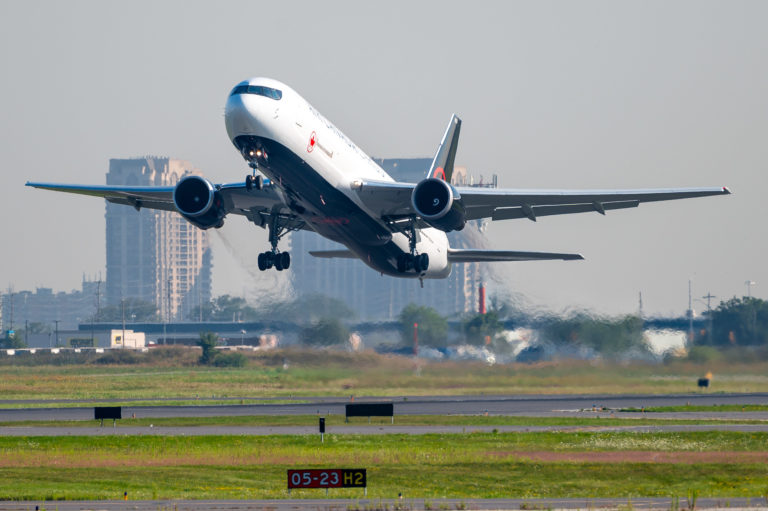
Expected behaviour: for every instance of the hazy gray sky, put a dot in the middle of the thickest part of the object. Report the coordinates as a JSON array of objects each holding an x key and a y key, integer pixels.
[{"x": 552, "y": 94}]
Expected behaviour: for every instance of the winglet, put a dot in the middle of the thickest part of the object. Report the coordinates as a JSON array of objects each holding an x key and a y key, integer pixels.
[{"x": 442, "y": 164}]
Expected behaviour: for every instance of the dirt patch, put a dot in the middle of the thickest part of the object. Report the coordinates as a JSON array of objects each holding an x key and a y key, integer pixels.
[{"x": 686, "y": 457}]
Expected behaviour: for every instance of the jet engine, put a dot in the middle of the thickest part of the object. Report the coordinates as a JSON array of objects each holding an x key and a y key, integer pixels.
[
  {"x": 439, "y": 204},
  {"x": 199, "y": 202}
]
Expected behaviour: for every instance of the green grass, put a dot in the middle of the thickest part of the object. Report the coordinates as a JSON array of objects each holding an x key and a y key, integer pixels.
[
  {"x": 400, "y": 420},
  {"x": 173, "y": 374},
  {"x": 428, "y": 466},
  {"x": 696, "y": 408},
  {"x": 18, "y": 404}
]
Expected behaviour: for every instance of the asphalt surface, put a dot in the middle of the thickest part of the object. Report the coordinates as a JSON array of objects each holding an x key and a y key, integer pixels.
[
  {"x": 366, "y": 504},
  {"x": 512, "y": 405}
]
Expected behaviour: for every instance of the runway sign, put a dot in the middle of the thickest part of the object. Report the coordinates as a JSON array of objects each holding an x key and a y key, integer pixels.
[
  {"x": 370, "y": 410},
  {"x": 327, "y": 478},
  {"x": 107, "y": 412}
]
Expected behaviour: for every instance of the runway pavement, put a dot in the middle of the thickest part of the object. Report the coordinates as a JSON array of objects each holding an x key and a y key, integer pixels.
[{"x": 519, "y": 405}]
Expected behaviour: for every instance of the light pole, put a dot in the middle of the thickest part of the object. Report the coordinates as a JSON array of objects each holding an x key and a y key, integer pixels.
[
  {"x": 122, "y": 306},
  {"x": 749, "y": 284}
]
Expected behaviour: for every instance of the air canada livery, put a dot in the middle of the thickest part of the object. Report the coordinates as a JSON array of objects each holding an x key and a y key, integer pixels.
[{"x": 306, "y": 174}]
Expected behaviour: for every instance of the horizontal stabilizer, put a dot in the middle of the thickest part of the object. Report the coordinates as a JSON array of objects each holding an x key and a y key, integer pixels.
[
  {"x": 486, "y": 256},
  {"x": 333, "y": 254}
]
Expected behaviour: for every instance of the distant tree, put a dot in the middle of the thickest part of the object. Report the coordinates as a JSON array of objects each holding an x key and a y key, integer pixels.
[
  {"x": 208, "y": 342},
  {"x": 310, "y": 308},
  {"x": 325, "y": 332},
  {"x": 739, "y": 322},
  {"x": 12, "y": 341},
  {"x": 432, "y": 327},
  {"x": 135, "y": 310},
  {"x": 225, "y": 308},
  {"x": 607, "y": 336},
  {"x": 35, "y": 327},
  {"x": 480, "y": 328}
]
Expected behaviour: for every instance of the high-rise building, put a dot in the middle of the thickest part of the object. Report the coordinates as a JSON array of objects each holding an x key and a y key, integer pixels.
[
  {"x": 155, "y": 256},
  {"x": 381, "y": 297}
]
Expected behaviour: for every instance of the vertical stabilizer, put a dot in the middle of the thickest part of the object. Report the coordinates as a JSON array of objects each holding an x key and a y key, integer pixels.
[{"x": 442, "y": 165}]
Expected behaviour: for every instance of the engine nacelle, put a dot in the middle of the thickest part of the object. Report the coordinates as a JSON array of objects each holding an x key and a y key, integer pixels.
[
  {"x": 199, "y": 202},
  {"x": 439, "y": 204}
]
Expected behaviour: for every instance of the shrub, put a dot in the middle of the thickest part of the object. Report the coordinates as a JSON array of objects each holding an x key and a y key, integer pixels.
[
  {"x": 119, "y": 357},
  {"x": 230, "y": 360},
  {"x": 704, "y": 354}
]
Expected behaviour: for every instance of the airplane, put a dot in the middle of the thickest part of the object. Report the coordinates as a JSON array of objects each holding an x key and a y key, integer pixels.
[{"x": 306, "y": 174}]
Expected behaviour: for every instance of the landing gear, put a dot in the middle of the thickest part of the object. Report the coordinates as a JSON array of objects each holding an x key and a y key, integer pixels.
[
  {"x": 280, "y": 260},
  {"x": 274, "y": 258},
  {"x": 253, "y": 181},
  {"x": 419, "y": 263}
]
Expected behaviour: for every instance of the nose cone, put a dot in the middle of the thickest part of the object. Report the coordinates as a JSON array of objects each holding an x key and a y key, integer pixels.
[{"x": 240, "y": 115}]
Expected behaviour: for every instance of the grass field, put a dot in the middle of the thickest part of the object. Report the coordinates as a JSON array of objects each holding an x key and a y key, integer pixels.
[
  {"x": 584, "y": 464},
  {"x": 400, "y": 420},
  {"x": 289, "y": 373},
  {"x": 429, "y": 466}
]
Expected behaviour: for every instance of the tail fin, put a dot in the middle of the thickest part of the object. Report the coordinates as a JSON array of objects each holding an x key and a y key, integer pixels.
[{"x": 442, "y": 165}]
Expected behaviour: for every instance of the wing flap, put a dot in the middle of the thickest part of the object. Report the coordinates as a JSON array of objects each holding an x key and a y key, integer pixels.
[
  {"x": 333, "y": 254},
  {"x": 536, "y": 211},
  {"x": 487, "y": 256}
]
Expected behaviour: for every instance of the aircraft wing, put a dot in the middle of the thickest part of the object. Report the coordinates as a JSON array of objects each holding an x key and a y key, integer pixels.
[
  {"x": 487, "y": 256},
  {"x": 256, "y": 205},
  {"x": 393, "y": 200}
]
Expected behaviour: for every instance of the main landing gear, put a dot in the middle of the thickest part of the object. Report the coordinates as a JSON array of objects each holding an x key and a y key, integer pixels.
[
  {"x": 280, "y": 260},
  {"x": 416, "y": 262},
  {"x": 419, "y": 263}
]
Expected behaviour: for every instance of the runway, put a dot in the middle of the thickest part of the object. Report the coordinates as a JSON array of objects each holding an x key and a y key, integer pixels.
[{"x": 542, "y": 405}]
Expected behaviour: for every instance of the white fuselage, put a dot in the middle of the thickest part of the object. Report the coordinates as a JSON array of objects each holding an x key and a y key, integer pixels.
[{"x": 315, "y": 165}]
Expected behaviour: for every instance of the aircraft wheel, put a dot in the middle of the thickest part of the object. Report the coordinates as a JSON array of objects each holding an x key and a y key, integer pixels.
[
  {"x": 262, "y": 260},
  {"x": 249, "y": 179},
  {"x": 423, "y": 262},
  {"x": 402, "y": 263},
  {"x": 258, "y": 182},
  {"x": 278, "y": 261},
  {"x": 285, "y": 260}
]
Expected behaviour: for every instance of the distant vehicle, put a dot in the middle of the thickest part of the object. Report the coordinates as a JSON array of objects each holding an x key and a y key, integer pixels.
[{"x": 306, "y": 174}]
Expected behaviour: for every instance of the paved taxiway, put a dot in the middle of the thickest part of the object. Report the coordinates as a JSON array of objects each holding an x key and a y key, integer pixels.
[{"x": 512, "y": 405}]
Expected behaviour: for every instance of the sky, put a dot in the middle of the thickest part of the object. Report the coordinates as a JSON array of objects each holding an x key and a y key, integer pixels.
[{"x": 591, "y": 94}]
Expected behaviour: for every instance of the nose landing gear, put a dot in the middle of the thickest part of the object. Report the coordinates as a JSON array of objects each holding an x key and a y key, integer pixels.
[{"x": 252, "y": 156}]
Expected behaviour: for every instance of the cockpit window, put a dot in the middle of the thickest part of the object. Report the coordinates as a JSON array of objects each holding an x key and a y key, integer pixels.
[{"x": 259, "y": 90}]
